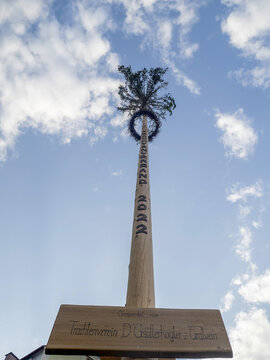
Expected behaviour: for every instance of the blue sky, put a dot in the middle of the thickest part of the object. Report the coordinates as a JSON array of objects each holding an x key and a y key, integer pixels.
[{"x": 68, "y": 169}]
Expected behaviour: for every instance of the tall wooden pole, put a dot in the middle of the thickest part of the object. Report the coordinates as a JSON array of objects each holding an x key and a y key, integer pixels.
[{"x": 141, "y": 292}]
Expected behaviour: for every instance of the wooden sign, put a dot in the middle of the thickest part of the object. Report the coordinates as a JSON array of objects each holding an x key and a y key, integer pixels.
[{"x": 138, "y": 332}]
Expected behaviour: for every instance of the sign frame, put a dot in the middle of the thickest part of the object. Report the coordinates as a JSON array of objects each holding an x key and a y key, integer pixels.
[{"x": 138, "y": 332}]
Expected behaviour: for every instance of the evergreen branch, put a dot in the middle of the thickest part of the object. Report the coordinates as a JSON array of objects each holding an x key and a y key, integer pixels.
[{"x": 140, "y": 91}]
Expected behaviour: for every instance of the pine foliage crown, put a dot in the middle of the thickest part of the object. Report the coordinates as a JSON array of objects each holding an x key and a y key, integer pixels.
[{"x": 140, "y": 91}]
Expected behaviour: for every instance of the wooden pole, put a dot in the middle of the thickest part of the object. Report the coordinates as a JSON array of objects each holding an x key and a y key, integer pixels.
[{"x": 140, "y": 291}]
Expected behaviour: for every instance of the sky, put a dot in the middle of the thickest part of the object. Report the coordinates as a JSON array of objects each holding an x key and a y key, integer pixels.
[{"x": 68, "y": 167}]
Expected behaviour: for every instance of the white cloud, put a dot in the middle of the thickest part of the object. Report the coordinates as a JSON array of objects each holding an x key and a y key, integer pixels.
[
  {"x": 56, "y": 78},
  {"x": 242, "y": 193},
  {"x": 239, "y": 193},
  {"x": 181, "y": 77},
  {"x": 165, "y": 34},
  {"x": 248, "y": 28},
  {"x": 250, "y": 335},
  {"x": 125, "y": 133},
  {"x": 243, "y": 246},
  {"x": 257, "y": 289},
  {"x": 119, "y": 120},
  {"x": 117, "y": 173},
  {"x": 23, "y": 12},
  {"x": 135, "y": 22},
  {"x": 188, "y": 16},
  {"x": 99, "y": 132},
  {"x": 251, "y": 330},
  {"x": 244, "y": 211},
  {"x": 227, "y": 301},
  {"x": 237, "y": 281},
  {"x": 60, "y": 79},
  {"x": 157, "y": 22},
  {"x": 256, "y": 224},
  {"x": 239, "y": 138}
]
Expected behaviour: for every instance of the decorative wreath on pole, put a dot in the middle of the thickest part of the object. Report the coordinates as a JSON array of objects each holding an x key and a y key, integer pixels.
[
  {"x": 139, "y": 96},
  {"x": 154, "y": 124}
]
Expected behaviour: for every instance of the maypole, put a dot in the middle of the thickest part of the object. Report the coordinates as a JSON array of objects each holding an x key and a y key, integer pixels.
[
  {"x": 139, "y": 330},
  {"x": 141, "y": 292},
  {"x": 139, "y": 96}
]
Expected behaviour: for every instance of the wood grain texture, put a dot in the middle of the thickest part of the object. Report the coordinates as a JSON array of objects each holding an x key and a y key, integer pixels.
[
  {"x": 140, "y": 292},
  {"x": 138, "y": 332}
]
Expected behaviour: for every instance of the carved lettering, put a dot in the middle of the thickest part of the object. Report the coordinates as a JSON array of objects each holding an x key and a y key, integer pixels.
[
  {"x": 141, "y": 217},
  {"x": 86, "y": 329},
  {"x": 126, "y": 329},
  {"x": 141, "y": 207},
  {"x": 141, "y": 229},
  {"x": 140, "y": 330},
  {"x": 142, "y": 198},
  {"x": 142, "y": 182},
  {"x": 143, "y": 175},
  {"x": 198, "y": 333}
]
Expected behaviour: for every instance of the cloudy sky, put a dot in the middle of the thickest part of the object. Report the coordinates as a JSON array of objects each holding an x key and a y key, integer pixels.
[{"x": 68, "y": 169}]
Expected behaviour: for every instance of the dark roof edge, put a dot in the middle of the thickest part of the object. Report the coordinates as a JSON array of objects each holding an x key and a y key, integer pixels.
[
  {"x": 33, "y": 352},
  {"x": 11, "y": 353}
]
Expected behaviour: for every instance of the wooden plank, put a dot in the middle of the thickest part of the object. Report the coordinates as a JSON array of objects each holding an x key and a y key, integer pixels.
[{"x": 138, "y": 332}]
